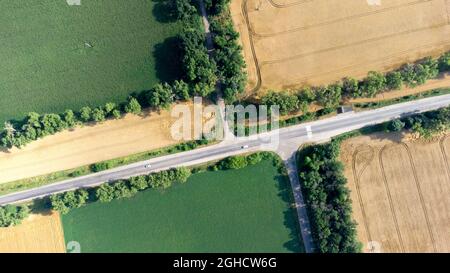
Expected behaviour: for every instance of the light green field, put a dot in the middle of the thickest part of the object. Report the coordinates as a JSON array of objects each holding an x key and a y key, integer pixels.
[
  {"x": 227, "y": 211},
  {"x": 47, "y": 67}
]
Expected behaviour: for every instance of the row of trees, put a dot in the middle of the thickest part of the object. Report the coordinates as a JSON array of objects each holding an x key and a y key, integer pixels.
[
  {"x": 107, "y": 192},
  {"x": 199, "y": 70},
  {"x": 331, "y": 96},
  {"x": 327, "y": 199},
  {"x": 13, "y": 215},
  {"x": 36, "y": 126},
  {"x": 228, "y": 52},
  {"x": 66, "y": 201},
  {"x": 426, "y": 124}
]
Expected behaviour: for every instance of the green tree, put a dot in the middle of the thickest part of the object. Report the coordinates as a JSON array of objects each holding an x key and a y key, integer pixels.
[
  {"x": 285, "y": 100},
  {"x": 70, "y": 118},
  {"x": 394, "y": 80},
  {"x": 98, "y": 115},
  {"x": 85, "y": 114},
  {"x": 13, "y": 215},
  {"x": 132, "y": 106},
  {"x": 161, "y": 96},
  {"x": 396, "y": 125},
  {"x": 109, "y": 108},
  {"x": 374, "y": 83},
  {"x": 105, "y": 193},
  {"x": 181, "y": 90},
  {"x": 350, "y": 88}
]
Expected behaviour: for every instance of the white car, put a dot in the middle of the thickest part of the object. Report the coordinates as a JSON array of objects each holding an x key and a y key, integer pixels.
[
  {"x": 244, "y": 147},
  {"x": 148, "y": 166}
]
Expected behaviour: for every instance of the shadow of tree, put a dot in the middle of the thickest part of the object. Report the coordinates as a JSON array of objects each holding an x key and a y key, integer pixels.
[
  {"x": 290, "y": 215},
  {"x": 168, "y": 60},
  {"x": 164, "y": 11}
]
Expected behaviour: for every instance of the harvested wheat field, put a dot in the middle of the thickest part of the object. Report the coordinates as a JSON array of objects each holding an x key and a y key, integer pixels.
[
  {"x": 37, "y": 234},
  {"x": 312, "y": 42},
  {"x": 87, "y": 145},
  {"x": 400, "y": 192}
]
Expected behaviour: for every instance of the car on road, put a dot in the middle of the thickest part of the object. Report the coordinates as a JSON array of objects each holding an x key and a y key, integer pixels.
[
  {"x": 244, "y": 147},
  {"x": 148, "y": 166}
]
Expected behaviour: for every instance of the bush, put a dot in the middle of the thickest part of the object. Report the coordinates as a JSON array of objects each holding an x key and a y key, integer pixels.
[
  {"x": 101, "y": 166},
  {"x": 133, "y": 106},
  {"x": 233, "y": 162},
  {"x": 13, "y": 215}
]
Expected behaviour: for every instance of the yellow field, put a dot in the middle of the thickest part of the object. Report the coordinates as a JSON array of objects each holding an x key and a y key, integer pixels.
[
  {"x": 312, "y": 42},
  {"x": 87, "y": 145},
  {"x": 37, "y": 234},
  {"x": 400, "y": 192}
]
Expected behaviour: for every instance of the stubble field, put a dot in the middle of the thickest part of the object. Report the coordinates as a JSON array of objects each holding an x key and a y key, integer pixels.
[
  {"x": 313, "y": 42},
  {"x": 400, "y": 192},
  {"x": 37, "y": 234}
]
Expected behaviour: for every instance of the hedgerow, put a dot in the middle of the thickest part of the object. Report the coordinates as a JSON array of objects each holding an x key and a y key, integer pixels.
[{"x": 327, "y": 199}]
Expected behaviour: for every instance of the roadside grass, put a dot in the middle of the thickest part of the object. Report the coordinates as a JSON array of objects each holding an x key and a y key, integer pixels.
[
  {"x": 246, "y": 210},
  {"x": 42, "y": 180},
  {"x": 383, "y": 103},
  {"x": 59, "y": 57}
]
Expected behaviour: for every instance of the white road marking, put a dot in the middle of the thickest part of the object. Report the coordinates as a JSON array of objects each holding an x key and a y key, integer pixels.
[{"x": 309, "y": 131}]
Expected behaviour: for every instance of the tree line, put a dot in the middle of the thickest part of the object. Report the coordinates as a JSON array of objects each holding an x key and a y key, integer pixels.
[
  {"x": 327, "y": 199},
  {"x": 127, "y": 188},
  {"x": 426, "y": 124},
  {"x": 329, "y": 97},
  {"x": 227, "y": 51}
]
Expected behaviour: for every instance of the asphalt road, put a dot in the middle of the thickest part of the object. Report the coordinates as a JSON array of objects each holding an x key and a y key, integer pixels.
[{"x": 274, "y": 140}]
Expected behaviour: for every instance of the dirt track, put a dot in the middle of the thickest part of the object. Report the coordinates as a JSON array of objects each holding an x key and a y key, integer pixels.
[
  {"x": 291, "y": 43},
  {"x": 400, "y": 192},
  {"x": 37, "y": 234}
]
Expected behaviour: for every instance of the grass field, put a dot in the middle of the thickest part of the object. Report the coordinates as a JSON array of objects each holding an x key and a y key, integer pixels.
[
  {"x": 47, "y": 67},
  {"x": 305, "y": 42},
  {"x": 228, "y": 211},
  {"x": 400, "y": 192}
]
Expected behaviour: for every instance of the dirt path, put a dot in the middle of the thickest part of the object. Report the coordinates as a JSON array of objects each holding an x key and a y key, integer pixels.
[{"x": 87, "y": 145}]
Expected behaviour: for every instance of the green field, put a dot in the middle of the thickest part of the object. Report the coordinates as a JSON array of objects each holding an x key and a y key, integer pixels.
[
  {"x": 46, "y": 65},
  {"x": 243, "y": 210}
]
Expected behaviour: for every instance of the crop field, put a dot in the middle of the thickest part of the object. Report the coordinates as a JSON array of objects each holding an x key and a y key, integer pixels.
[
  {"x": 288, "y": 43},
  {"x": 400, "y": 192},
  {"x": 245, "y": 210},
  {"x": 55, "y": 56},
  {"x": 37, "y": 234}
]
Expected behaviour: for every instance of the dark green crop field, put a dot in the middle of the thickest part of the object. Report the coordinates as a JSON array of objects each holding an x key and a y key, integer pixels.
[
  {"x": 55, "y": 56},
  {"x": 243, "y": 210}
]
